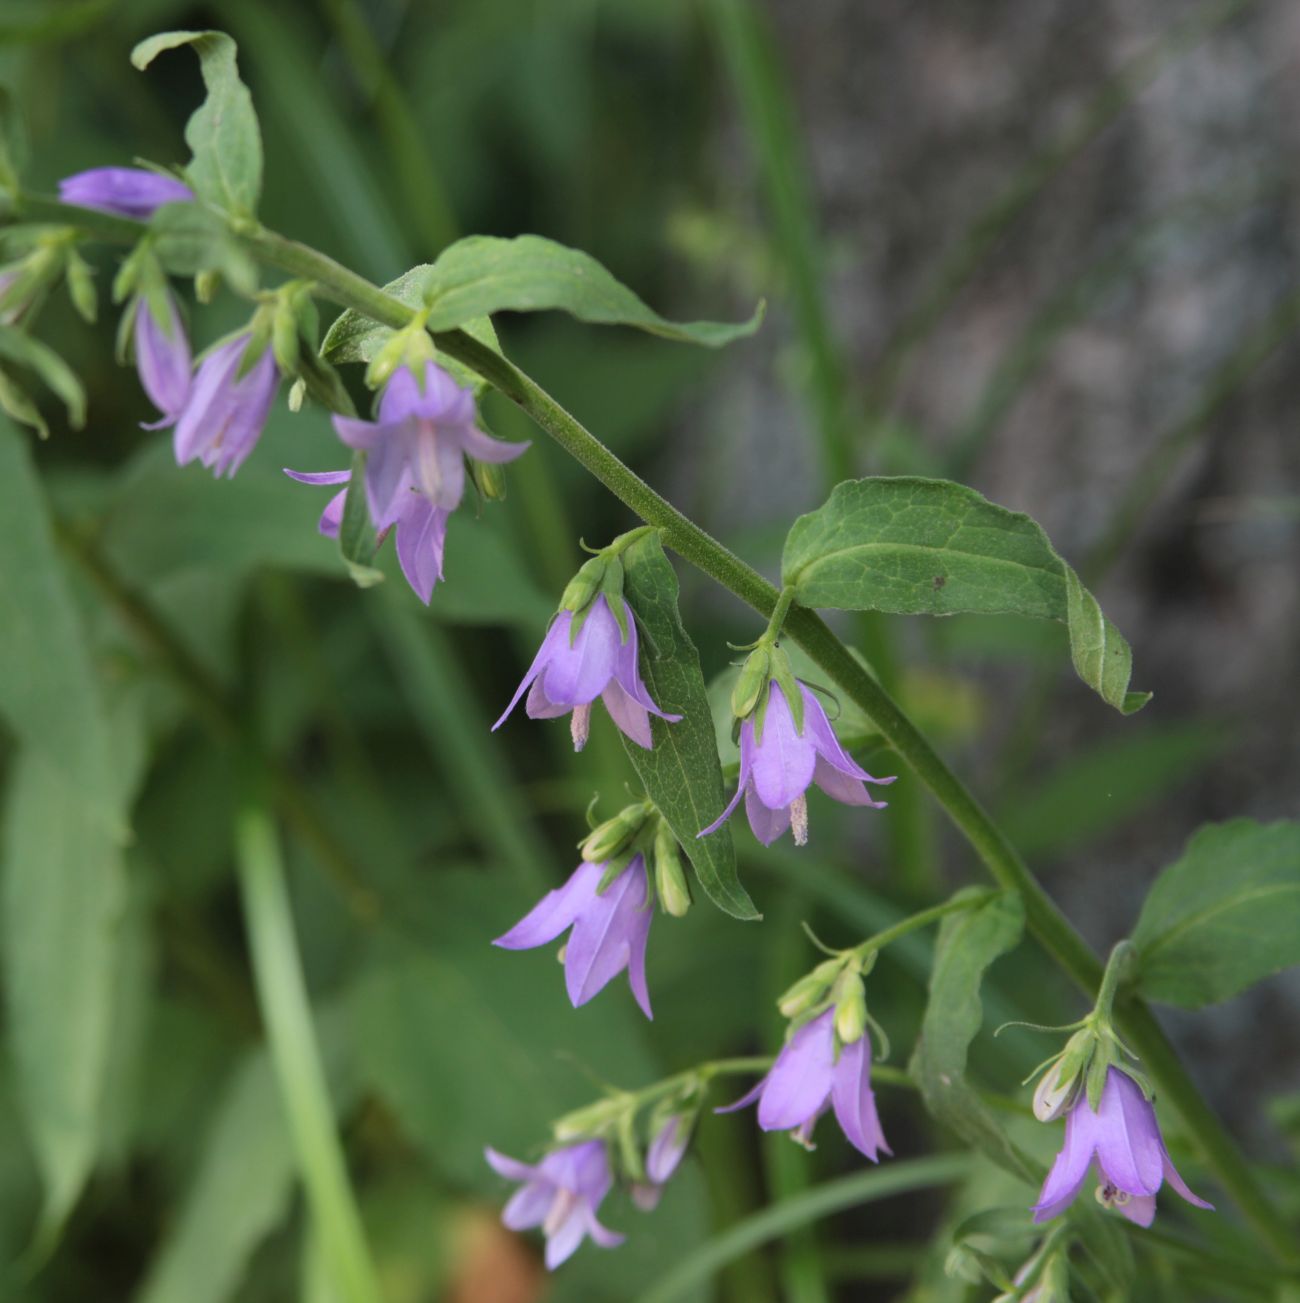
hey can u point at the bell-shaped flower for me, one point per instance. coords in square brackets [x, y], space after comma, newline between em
[663, 1156]
[127, 191]
[162, 357]
[1122, 1140]
[224, 414]
[561, 1194]
[809, 1077]
[779, 760]
[419, 443]
[610, 929]
[421, 530]
[571, 670]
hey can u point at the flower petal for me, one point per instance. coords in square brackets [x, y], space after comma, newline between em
[628, 672]
[208, 398]
[855, 1104]
[331, 519]
[605, 934]
[127, 191]
[511, 1168]
[800, 1080]
[362, 435]
[767, 825]
[748, 1098]
[629, 715]
[819, 729]
[554, 912]
[578, 673]
[563, 1241]
[482, 447]
[162, 357]
[528, 1206]
[783, 760]
[421, 537]
[1140, 1209]
[540, 706]
[667, 1148]
[1179, 1185]
[318, 477]
[1129, 1150]
[557, 633]
[1072, 1164]
[746, 752]
[843, 787]
[602, 1235]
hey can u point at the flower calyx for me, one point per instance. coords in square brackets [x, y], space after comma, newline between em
[836, 983]
[408, 347]
[601, 576]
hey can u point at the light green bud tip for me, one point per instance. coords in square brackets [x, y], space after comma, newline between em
[609, 838]
[489, 479]
[754, 675]
[851, 1011]
[670, 881]
[810, 990]
[584, 585]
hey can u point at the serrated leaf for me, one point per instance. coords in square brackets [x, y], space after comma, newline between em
[190, 239]
[1223, 916]
[483, 274]
[682, 774]
[18, 346]
[914, 546]
[222, 133]
[968, 944]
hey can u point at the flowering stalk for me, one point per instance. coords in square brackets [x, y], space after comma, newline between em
[1045, 920]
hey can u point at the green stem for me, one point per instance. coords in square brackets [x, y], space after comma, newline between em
[821, 1201]
[922, 919]
[1119, 968]
[286, 1010]
[782, 608]
[1046, 922]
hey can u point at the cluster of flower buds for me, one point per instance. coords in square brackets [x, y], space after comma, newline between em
[590, 651]
[607, 903]
[595, 1147]
[786, 743]
[826, 1060]
[1110, 1120]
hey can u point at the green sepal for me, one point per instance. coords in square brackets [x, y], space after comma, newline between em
[259, 340]
[489, 479]
[850, 1009]
[810, 990]
[357, 541]
[285, 340]
[614, 868]
[124, 338]
[81, 287]
[629, 1151]
[754, 677]
[611, 585]
[54, 372]
[789, 685]
[591, 1121]
[15, 402]
[1095, 1080]
[614, 835]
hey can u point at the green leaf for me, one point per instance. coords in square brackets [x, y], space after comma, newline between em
[63, 893]
[32, 21]
[222, 133]
[18, 346]
[968, 943]
[682, 774]
[483, 274]
[913, 546]
[190, 239]
[13, 141]
[1223, 916]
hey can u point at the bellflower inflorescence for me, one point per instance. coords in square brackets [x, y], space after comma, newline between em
[162, 356]
[415, 466]
[610, 929]
[1122, 1138]
[780, 756]
[571, 669]
[126, 191]
[561, 1194]
[224, 414]
[809, 1077]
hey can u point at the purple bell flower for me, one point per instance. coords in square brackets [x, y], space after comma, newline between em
[610, 930]
[419, 444]
[162, 359]
[421, 530]
[807, 1079]
[126, 191]
[224, 414]
[1123, 1138]
[561, 1195]
[662, 1158]
[568, 674]
[776, 768]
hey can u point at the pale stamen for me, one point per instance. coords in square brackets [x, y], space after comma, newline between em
[580, 725]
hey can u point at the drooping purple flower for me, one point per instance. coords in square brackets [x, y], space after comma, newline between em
[419, 444]
[662, 1158]
[777, 765]
[807, 1079]
[225, 412]
[162, 359]
[561, 1194]
[421, 530]
[1123, 1139]
[610, 930]
[126, 191]
[570, 671]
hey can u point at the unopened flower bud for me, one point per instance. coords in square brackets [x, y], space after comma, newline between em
[81, 286]
[670, 881]
[206, 285]
[489, 479]
[589, 1121]
[851, 1010]
[753, 680]
[607, 839]
[810, 990]
[1057, 1091]
[584, 585]
[284, 336]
